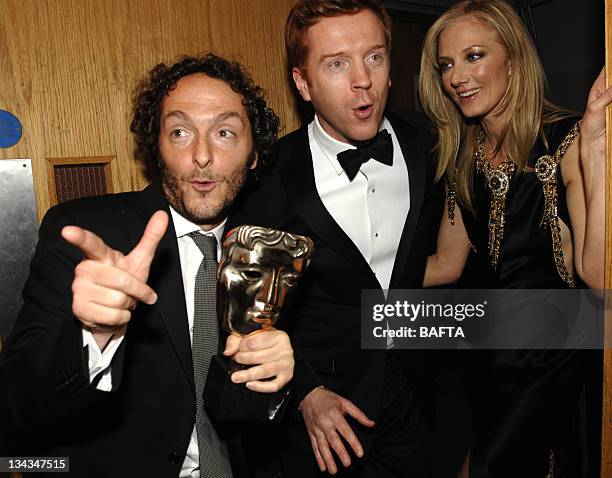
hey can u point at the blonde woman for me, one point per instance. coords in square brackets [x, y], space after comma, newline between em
[525, 203]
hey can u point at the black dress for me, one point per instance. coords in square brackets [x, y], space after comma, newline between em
[523, 401]
[526, 259]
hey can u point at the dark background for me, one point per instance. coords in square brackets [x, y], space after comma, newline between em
[568, 34]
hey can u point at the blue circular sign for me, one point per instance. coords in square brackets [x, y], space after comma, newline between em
[10, 129]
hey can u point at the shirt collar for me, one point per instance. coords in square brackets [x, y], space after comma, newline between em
[331, 146]
[184, 226]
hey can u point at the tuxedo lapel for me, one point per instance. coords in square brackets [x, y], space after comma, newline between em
[297, 176]
[417, 177]
[165, 276]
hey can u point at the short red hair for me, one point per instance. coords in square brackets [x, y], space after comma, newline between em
[308, 12]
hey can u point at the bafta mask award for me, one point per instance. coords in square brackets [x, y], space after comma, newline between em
[257, 274]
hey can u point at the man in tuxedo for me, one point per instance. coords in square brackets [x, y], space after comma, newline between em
[359, 181]
[99, 367]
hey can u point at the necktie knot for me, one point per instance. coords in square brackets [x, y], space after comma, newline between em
[379, 148]
[207, 244]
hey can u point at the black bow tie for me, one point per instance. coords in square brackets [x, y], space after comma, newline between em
[379, 148]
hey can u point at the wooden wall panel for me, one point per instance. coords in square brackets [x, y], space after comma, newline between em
[68, 68]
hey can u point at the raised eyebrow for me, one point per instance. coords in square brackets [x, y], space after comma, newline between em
[377, 47]
[227, 115]
[177, 114]
[344, 53]
[331, 55]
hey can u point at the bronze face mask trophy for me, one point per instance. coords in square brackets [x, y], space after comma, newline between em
[258, 272]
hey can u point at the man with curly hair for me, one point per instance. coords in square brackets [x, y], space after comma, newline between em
[99, 365]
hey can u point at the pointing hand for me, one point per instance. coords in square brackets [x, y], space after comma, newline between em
[107, 284]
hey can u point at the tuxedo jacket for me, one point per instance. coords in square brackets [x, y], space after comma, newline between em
[324, 319]
[48, 407]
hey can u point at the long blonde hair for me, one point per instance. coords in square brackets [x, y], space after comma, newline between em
[524, 98]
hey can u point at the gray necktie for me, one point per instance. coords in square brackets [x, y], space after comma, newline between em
[214, 461]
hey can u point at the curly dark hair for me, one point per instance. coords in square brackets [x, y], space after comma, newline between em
[162, 79]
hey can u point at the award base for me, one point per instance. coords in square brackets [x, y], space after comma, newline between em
[225, 400]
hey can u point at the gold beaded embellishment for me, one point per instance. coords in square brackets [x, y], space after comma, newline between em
[545, 169]
[551, 464]
[452, 202]
[498, 180]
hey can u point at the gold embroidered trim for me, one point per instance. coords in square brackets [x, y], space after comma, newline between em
[452, 201]
[472, 246]
[545, 169]
[551, 464]
[498, 180]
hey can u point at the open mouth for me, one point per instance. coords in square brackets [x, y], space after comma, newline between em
[266, 318]
[469, 94]
[364, 111]
[203, 186]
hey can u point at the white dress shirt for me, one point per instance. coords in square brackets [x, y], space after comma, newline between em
[371, 209]
[190, 257]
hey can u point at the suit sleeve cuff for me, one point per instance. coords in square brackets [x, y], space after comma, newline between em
[305, 380]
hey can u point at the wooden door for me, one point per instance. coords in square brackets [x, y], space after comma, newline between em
[606, 456]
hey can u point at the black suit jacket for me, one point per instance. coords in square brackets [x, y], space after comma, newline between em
[324, 321]
[142, 427]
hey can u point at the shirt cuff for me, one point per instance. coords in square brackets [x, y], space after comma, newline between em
[99, 361]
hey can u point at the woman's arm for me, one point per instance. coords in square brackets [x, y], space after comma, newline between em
[452, 250]
[584, 173]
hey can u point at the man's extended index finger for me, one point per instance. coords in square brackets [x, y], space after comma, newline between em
[90, 244]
